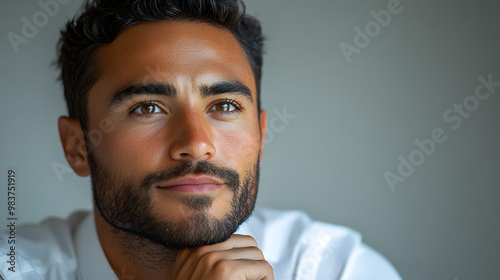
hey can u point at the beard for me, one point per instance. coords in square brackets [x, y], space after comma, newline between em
[129, 208]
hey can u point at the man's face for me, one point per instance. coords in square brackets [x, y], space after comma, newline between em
[178, 160]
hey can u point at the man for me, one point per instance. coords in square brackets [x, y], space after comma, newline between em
[164, 115]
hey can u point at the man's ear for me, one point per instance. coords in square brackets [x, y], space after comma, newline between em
[73, 142]
[263, 130]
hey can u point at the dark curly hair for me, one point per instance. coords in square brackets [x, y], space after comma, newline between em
[103, 20]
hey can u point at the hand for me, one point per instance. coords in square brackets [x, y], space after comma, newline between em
[238, 258]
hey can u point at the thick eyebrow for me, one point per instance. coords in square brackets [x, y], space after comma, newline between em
[131, 91]
[169, 90]
[235, 87]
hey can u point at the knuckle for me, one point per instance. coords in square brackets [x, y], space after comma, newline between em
[223, 268]
[198, 255]
[257, 251]
[250, 239]
[210, 258]
[266, 266]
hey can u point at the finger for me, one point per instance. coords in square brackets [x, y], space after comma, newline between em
[235, 241]
[209, 260]
[246, 253]
[238, 240]
[250, 269]
[182, 256]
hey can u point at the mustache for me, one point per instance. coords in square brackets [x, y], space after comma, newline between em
[227, 175]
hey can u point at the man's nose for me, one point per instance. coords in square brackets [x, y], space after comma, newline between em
[192, 138]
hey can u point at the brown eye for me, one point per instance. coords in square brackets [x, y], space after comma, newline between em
[147, 109]
[225, 107]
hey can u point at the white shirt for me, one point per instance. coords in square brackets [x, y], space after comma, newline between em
[296, 247]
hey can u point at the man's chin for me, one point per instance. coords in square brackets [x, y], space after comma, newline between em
[197, 203]
[193, 230]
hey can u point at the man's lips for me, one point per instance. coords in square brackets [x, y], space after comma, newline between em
[198, 184]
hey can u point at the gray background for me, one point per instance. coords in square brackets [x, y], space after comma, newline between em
[352, 122]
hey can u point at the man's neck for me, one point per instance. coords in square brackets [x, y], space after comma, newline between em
[131, 256]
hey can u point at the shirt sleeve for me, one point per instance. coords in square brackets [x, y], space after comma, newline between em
[41, 251]
[366, 263]
[15, 267]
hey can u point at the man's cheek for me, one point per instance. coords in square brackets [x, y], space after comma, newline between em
[238, 146]
[129, 151]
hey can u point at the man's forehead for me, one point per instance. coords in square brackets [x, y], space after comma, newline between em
[173, 51]
[180, 42]
[177, 36]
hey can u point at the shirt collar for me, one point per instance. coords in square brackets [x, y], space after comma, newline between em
[92, 261]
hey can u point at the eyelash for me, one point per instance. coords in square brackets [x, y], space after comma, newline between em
[143, 103]
[237, 106]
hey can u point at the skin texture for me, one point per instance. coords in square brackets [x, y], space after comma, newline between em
[130, 142]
